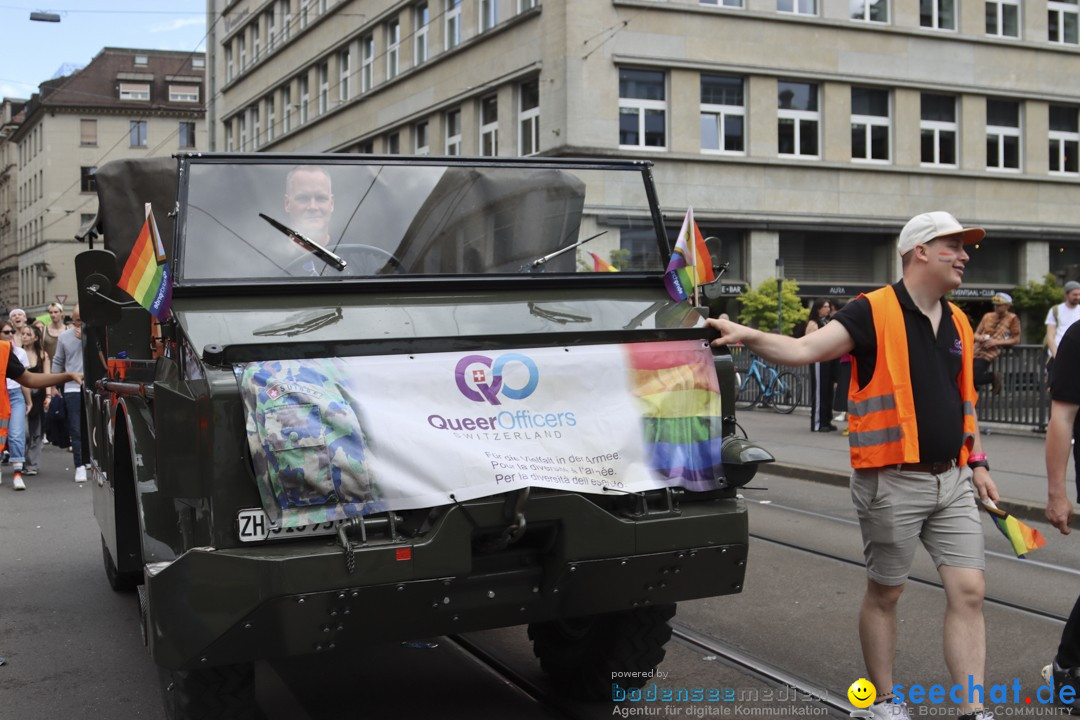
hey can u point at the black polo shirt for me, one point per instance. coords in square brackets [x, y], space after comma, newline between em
[934, 364]
[1065, 382]
[15, 368]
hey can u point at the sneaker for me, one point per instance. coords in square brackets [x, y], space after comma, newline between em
[17, 482]
[80, 474]
[977, 715]
[889, 710]
[1058, 677]
[29, 471]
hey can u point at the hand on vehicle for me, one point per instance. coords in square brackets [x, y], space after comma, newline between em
[730, 333]
[75, 377]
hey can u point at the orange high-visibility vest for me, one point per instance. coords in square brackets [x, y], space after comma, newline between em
[882, 429]
[5, 402]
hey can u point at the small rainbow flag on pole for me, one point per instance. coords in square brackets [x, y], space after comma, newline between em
[602, 265]
[1022, 537]
[690, 264]
[146, 276]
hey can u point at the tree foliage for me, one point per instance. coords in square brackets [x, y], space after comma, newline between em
[1033, 301]
[759, 307]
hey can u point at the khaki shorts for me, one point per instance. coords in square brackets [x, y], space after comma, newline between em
[897, 510]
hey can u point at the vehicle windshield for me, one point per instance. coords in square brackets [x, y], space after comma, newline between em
[344, 217]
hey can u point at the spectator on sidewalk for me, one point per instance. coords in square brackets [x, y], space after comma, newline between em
[997, 329]
[37, 362]
[1064, 671]
[821, 373]
[69, 358]
[914, 445]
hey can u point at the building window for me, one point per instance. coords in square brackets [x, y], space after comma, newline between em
[343, 75]
[324, 88]
[529, 118]
[271, 119]
[271, 31]
[134, 91]
[870, 10]
[1002, 134]
[1003, 18]
[642, 108]
[393, 144]
[937, 14]
[286, 109]
[187, 134]
[87, 179]
[723, 114]
[367, 60]
[487, 14]
[523, 5]
[242, 131]
[241, 51]
[798, 118]
[255, 42]
[229, 69]
[939, 129]
[421, 144]
[393, 48]
[723, 3]
[304, 16]
[798, 7]
[137, 133]
[452, 20]
[420, 43]
[489, 126]
[229, 138]
[305, 98]
[184, 93]
[1064, 139]
[88, 132]
[1062, 17]
[256, 127]
[453, 132]
[286, 18]
[198, 62]
[870, 124]
[142, 60]
[366, 148]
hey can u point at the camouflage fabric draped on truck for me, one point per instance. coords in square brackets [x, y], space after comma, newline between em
[398, 385]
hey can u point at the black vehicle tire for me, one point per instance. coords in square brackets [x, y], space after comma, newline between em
[119, 581]
[581, 655]
[226, 692]
[784, 401]
[748, 394]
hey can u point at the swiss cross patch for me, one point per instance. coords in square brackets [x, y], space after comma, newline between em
[479, 376]
[274, 393]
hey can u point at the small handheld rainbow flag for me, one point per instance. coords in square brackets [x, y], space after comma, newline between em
[1022, 537]
[146, 276]
[690, 264]
[601, 265]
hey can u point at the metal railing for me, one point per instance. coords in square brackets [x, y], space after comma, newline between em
[1022, 400]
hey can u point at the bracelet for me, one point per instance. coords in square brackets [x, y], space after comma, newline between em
[979, 464]
[976, 457]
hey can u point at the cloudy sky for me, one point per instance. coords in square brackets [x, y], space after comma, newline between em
[32, 52]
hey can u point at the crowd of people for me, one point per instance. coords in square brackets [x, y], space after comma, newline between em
[31, 350]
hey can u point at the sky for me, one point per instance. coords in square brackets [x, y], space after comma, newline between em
[33, 52]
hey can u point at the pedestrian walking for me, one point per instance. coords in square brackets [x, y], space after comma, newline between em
[821, 373]
[996, 330]
[1064, 671]
[37, 362]
[1059, 319]
[914, 445]
[18, 402]
[69, 358]
[54, 328]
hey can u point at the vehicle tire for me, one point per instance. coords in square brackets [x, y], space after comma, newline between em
[749, 394]
[784, 401]
[226, 692]
[119, 581]
[583, 655]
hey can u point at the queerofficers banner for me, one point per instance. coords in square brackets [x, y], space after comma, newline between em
[338, 437]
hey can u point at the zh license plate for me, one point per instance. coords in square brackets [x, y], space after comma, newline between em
[253, 525]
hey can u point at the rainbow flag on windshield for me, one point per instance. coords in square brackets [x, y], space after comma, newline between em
[146, 276]
[1022, 537]
[602, 265]
[690, 263]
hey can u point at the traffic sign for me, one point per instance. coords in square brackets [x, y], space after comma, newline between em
[61, 299]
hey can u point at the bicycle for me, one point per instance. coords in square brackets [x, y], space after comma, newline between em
[781, 392]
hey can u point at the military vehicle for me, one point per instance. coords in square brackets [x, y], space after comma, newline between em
[397, 398]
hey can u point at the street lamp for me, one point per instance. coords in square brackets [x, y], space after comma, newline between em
[38, 16]
[780, 296]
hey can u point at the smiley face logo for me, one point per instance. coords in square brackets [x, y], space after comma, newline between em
[862, 693]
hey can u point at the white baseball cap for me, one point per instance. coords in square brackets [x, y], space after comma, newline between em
[929, 226]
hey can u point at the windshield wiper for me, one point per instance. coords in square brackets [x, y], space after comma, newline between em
[308, 244]
[551, 256]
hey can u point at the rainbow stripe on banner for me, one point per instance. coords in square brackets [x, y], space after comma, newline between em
[1022, 537]
[679, 397]
[146, 276]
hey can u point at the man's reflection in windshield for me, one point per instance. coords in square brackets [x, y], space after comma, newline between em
[309, 202]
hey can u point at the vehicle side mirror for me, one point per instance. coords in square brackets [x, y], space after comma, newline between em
[97, 274]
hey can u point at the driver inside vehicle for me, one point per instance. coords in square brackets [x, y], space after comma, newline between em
[309, 202]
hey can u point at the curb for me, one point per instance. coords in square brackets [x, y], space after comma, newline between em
[1020, 509]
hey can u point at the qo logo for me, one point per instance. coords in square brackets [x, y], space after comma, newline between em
[479, 378]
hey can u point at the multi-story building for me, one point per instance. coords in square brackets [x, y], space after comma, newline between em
[10, 117]
[807, 130]
[125, 103]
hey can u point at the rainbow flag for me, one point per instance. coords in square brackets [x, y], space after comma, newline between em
[679, 397]
[1022, 537]
[601, 265]
[690, 263]
[146, 276]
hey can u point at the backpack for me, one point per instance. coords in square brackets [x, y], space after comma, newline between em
[56, 423]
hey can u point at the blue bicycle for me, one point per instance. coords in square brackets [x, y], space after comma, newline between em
[764, 384]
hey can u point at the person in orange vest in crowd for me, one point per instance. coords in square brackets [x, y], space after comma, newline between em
[918, 465]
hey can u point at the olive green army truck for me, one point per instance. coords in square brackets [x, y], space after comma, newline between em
[334, 400]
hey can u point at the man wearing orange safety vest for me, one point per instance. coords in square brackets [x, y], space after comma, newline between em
[15, 370]
[914, 442]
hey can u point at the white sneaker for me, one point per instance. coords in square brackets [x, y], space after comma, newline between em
[889, 710]
[18, 482]
[80, 474]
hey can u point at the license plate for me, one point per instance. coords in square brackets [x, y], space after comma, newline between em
[253, 525]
